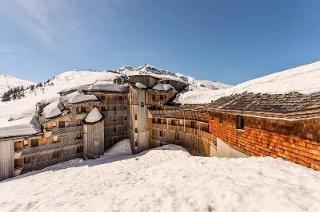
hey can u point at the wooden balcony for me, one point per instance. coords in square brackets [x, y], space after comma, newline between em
[45, 149]
[45, 163]
[63, 130]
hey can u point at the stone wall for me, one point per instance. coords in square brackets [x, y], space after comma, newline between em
[294, 140]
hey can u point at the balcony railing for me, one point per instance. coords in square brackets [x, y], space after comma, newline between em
[63, 130]
[48, 148]
[45, 163]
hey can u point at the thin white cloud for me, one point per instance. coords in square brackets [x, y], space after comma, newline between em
[44, 19]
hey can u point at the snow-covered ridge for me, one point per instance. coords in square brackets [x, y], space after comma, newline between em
[303, 79]
[7, 82]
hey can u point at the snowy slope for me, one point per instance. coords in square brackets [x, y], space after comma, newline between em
[164, 179]
[303, 79]
[7, 82]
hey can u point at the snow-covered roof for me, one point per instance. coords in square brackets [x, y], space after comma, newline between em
[78, 97]
[53, 109]
[93, 116]
[140, 85]
[102, 86]
[162, 87]
[29, 125]
[56, 107]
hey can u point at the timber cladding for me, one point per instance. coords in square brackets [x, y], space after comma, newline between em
[294, 140]
[190, 134]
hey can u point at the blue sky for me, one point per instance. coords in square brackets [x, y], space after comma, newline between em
[227, 40]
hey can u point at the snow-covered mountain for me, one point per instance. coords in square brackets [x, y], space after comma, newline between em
[48, 91]
[162, 73]
[303, 79]
[7, 82]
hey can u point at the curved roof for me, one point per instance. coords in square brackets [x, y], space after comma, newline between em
[162, 87]
[93, 116]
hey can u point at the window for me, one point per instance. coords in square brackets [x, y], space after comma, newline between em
[103, 108]
[181, 122]
[56, 154]
[80, 149]
[159, 121]
[17, 145]
[17, 163]
[161, 97]
[136, 143]
[34, 142]
[177, 136]
[25, 143]
[135, 117]
[62, 124]
[114, 129]
[125, 118]
[83, 109]
[220, 118]
[153, 97]
[79, 136]
[55, 139]
[142, 104]
[78, 110]
[173, 123]
[27, 160]
[114, 108]
[120, 97]
[193, 124]
[125, 107]
[103, 98]
[136, 130]
[239, 122]
[161, 133]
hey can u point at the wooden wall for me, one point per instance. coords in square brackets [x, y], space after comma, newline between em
[293, 140]
[93, 146]
[193, 135]
[6, 159]
[138, 118]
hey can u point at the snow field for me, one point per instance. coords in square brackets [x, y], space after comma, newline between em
[164, 179]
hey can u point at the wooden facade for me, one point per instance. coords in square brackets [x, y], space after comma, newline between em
[115, 111]
[93, 146]
[6, 159]
[293, 139]
[138, 118]
[187, 128]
